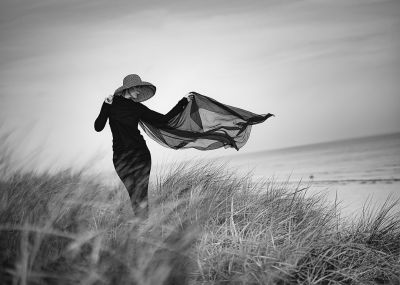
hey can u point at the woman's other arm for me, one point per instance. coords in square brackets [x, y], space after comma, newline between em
[101, 120]
[158, 119]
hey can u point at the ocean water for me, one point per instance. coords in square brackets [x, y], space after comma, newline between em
[353, 170]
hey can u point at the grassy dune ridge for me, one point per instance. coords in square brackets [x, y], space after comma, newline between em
[208, 225]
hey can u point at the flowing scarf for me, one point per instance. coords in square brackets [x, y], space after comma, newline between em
[205, 124]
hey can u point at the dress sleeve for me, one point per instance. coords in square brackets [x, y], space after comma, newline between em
[157, 119]
[101, 120]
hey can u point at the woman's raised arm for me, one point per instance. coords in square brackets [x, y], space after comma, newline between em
[101, 120]
[158, 119]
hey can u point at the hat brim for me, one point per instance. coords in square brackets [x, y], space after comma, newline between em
[147, 90]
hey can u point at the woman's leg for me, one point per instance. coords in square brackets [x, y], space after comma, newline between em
[139, 194]
[133, 168]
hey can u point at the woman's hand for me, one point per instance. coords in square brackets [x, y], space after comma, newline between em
[190, 96]
[109, 99]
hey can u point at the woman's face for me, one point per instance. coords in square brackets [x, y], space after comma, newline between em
[132, 93]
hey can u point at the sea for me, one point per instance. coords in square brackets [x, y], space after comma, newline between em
[354, 172]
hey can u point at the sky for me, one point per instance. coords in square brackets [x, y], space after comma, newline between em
[328, 70]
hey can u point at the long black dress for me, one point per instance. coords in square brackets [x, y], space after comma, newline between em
[131, 157]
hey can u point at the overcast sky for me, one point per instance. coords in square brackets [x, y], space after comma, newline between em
[328, 69]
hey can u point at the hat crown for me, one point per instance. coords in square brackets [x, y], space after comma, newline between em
[132, 80]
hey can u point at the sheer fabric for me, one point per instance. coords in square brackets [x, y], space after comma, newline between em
[205, 124]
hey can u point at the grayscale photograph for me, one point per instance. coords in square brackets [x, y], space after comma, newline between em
[200, 142]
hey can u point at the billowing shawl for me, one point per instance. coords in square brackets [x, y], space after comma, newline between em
[205, 124]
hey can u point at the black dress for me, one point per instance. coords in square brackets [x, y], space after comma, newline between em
[131, 157]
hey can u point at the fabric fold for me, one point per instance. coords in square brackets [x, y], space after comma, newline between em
[205, 124]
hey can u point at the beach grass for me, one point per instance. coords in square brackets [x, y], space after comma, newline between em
[208, 225]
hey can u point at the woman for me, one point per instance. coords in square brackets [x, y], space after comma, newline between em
[131, 157]
[201, 122]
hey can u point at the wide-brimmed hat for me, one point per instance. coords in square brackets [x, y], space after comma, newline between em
[147, 90]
